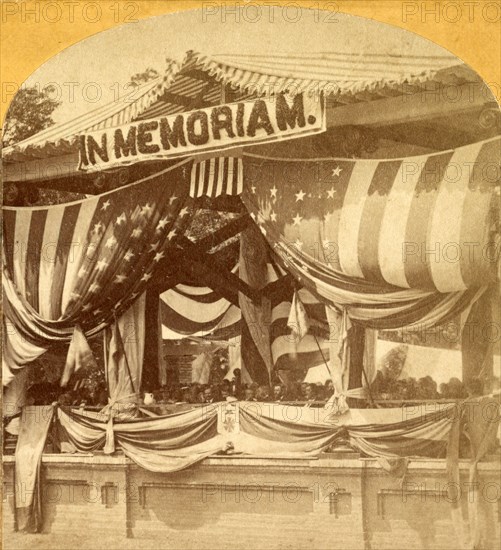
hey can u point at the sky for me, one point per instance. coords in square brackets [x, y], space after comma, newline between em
[96, 70]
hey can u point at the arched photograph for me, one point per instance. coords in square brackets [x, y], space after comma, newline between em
[251, 289]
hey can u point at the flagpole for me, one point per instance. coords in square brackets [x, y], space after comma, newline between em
[322, 354]
[371, 400]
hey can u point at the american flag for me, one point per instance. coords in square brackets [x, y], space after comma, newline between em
[217, 176]
[87, 261]
[407, 223]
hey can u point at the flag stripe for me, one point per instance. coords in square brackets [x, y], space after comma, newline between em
[445, 223]
[240, 177]
[392, 232]
[62, 256]
[9, 224]
[417, 256]
[184, 325]
[217, 176]
[201, 180]
[194, 179]
[351, 215]
[212, 175]
[220, 175]
[478, 259]
[82, 227]
[372, 217]
[38, 219]
[21, 236]
[229, 177]
[49, 246]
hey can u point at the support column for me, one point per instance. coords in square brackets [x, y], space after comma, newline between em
[256, 314]
[152, 342]
[356, 339]
[478, 339]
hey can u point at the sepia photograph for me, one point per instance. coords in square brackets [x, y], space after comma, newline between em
[251, 283]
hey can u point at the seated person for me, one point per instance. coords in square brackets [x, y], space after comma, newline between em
[278, 393]
[249, 393]
[263, 394]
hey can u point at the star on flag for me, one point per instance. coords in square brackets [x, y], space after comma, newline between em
[128, 255]
[111, 242]
[162, 223]
[300, 195]
[121, 219]
[146, 209]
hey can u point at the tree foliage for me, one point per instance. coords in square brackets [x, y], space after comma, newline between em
[145, 76]
[29, 113]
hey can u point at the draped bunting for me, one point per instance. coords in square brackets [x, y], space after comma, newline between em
[189, 310]
[256, 313]
[419, 222]
[34, 428]
[161, 444]
[174, 442]
[329, 221]
[168, 443]
[84, 263]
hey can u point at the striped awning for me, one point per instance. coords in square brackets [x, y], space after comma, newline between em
[334, 73]
[60, 138]
[197, 81]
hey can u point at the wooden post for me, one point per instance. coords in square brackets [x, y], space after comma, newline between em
[152, 342]
[256, 314]
[478, 338]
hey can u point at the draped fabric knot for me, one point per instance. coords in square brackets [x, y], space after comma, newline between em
[109, 446]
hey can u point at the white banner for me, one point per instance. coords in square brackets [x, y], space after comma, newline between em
[203, 131]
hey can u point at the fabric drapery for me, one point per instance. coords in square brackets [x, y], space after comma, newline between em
[288, 351]
[282, 430]
[124, 350]
[189, 310]
[161, 444]
[34, 427]
[479, 420]
[174, 442]
[328, 221]
[84, 263]
[405, 223]
[216, 176]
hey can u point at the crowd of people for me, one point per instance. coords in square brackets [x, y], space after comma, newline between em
[225, 390]
[383, 388]
[390, 388]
